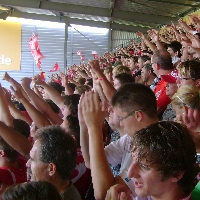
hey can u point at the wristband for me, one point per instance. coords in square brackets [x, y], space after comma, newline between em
[102, 78]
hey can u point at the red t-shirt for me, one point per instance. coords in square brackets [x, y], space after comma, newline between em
[160, 92]
[81, 176]
[12, 175]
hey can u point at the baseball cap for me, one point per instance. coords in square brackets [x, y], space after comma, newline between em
[170, 78]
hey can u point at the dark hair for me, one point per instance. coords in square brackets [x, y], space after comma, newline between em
[56, 86]
[148, 67]
[169, 147]
[90, 82]
[176, 47]
[144, 58]
[190, 68]
[40, 190]
[74, 128]
[72, 86]
[163, 59]
[53, 106]
[72, 101]
[11, 154]
[133, 96]
[58, 147]
[125, 78]
[135, 58]
[21, 107]
[22, 127]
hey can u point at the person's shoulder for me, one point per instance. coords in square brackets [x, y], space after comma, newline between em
[71, 193]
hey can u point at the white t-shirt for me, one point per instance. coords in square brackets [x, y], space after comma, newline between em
[117, 152]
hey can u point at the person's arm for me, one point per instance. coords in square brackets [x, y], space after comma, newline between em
[5, 115]
[39, 103]
[147, 41]
[84, 138]
[191, 119]
[53, 94]
[155, 38]
[16, 140]
[35, 89]
[39, 118]
[185, 26]
[108, 88]
[65, 83]
[14, 83]
[16, 113]
[102, 177]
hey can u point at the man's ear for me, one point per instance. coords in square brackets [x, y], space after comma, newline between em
[2, 153]
[138, 116]
[157, 66]
[177, 177]
[51, 169]
[176, 53]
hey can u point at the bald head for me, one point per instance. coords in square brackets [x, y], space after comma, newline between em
[163, 59]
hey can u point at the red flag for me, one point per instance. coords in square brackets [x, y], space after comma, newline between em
[42, 75]
[95, 54]
[55, 68]
[35, 50]
[79, 53]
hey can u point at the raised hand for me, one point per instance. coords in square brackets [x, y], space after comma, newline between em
[93, 111]
[17, 93]
[95, 65]
[25, 82]
[64, 79]
[118, 192]
[37, 79]
[6, 77]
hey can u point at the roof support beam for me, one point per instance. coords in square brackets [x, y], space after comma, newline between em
[88, 10]
[83, 22]
[133, 29]
[128, 15]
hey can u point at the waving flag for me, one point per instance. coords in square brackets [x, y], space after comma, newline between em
[95, 54]
[42, 75]
[35, 50]
[79, 53]
[55, 68]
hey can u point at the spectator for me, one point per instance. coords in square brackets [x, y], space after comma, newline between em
[45, 164]
[160, 169]
[32, 191]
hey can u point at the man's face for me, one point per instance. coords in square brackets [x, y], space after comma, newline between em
[113, 119]
[171, 52]
[65, 111]
[116, 84]
[183, 80]
[131, 64]
[147, 179]
[130, 124]
[38, 170]
[144, 75]
[153, 64]
[140, 63]
[171, 89]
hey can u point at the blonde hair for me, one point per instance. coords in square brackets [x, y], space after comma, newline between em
[187, 95]
[121, 69]
[83, 88]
